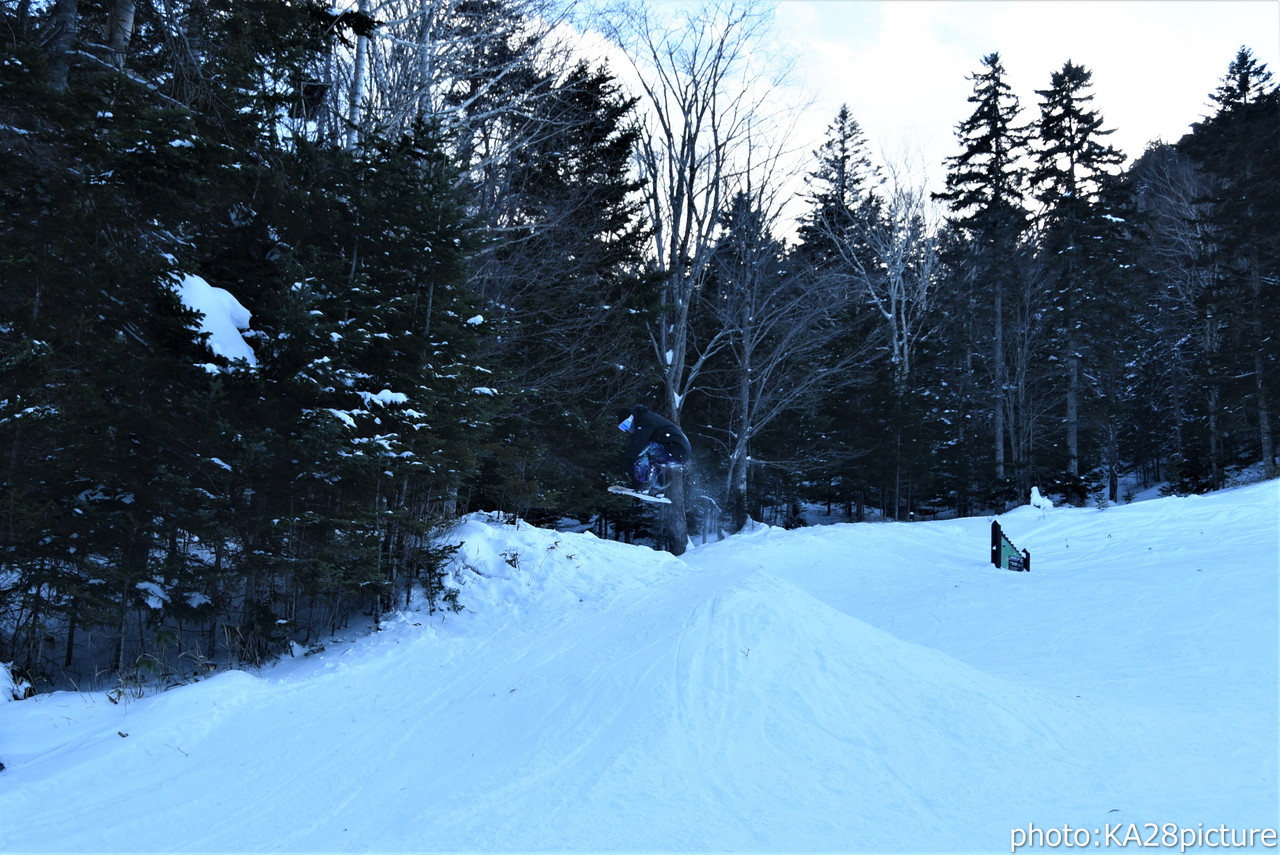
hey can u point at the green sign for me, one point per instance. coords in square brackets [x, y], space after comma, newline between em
[1005, 555]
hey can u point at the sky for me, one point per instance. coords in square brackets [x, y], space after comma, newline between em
[903, 66]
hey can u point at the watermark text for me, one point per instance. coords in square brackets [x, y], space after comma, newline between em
[1149, 835]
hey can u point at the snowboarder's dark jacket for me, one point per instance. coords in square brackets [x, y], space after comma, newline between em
[647, 427]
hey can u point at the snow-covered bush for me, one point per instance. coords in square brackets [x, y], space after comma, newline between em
[13, 687]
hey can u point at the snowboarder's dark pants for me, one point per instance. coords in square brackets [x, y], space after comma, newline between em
[655, 454]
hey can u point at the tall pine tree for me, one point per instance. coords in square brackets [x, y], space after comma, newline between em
[1076, 181]
[1237, 149]
[985, 190]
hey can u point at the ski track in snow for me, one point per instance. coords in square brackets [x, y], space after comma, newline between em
[839, 688]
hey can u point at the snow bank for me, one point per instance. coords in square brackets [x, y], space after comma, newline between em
[505, 568]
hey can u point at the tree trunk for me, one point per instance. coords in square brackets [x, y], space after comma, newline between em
[1000, 380]
[122, 627]
[1215, 447]
[1264, 416]
[357, 95]
[66, 18]
[72, 623]
[1260, 334]
[1073, 409]
[675, 525]
[121, 31]
[1113, 462]
[737, 488]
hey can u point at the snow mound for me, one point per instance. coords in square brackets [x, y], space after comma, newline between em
[502, 567]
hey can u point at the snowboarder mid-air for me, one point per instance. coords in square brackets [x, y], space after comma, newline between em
[654, 445]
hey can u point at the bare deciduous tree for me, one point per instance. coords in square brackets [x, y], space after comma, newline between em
[704, 106]
[892, 259]
[469, 66]
[704, 103]
[1173, 196]
[778, 325]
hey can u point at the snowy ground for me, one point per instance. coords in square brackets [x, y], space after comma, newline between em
[844, 688]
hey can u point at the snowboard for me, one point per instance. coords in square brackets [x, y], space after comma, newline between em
[623, 491]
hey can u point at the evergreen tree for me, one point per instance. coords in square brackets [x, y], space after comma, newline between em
[560, 273]
[844, 201]
[1237, 149]
[844, 187]
[156, 496]
[101, 388]
[985, 192]
[369, 409]
[1076, 182]
[1168, 193]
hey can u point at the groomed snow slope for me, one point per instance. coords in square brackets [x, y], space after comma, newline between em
[850, 687]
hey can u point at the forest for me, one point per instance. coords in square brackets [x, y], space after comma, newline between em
[465, 243]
